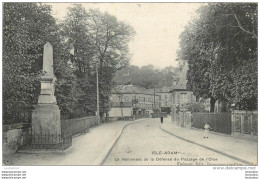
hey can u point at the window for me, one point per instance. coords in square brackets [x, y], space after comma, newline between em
[183, 98]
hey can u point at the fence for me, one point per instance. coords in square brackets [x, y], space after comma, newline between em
[78, 125]
[69, 128]
[219, 122]
[19, 136]
[245, 122]
[46, 141]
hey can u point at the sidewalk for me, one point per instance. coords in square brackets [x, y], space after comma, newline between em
[236, 147]
[87, 149]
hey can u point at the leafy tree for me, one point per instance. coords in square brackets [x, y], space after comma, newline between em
[98, 39]
[111, 38]
[75, 35]
[26, 28]
[220, 46]
[147, 76]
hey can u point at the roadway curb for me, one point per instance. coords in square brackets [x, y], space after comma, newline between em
[209, 148]
[103, 156]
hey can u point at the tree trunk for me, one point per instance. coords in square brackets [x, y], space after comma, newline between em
[212, 104]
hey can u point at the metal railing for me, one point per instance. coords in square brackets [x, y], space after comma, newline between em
[45, 141]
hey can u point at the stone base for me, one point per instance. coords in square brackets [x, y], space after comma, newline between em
[45, 151]
[46, 121]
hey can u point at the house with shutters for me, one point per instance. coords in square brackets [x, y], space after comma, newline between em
[165, 99]
[130, 100]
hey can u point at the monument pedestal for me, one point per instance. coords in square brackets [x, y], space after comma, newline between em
[46, 124]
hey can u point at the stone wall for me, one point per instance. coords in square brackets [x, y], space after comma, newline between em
[244, 122]
[16, 136]
[12, 137]
[182, 118]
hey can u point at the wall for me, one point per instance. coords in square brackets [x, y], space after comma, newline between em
[182, 118]
[16, 136]
[13, 137]
[244, 122]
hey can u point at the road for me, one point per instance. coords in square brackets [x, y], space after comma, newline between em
[144, 143]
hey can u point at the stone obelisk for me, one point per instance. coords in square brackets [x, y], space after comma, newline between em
[46, 116]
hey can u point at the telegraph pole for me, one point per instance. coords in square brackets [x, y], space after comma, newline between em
[154, 100]
[97, 93]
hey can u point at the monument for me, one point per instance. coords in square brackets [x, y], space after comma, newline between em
[46, 124]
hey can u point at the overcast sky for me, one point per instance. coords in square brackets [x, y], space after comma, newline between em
[157, 26]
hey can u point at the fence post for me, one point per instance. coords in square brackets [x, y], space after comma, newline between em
[232, 123]
[251, 124]
[242, 124]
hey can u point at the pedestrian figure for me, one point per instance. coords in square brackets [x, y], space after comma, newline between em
[161, 120]
[206, 133]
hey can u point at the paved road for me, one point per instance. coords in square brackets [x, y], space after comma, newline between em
[88, 149]
[144, 143]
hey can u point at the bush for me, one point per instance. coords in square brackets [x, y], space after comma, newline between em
[196, 107]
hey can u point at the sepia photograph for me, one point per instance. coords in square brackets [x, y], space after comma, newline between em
[130, 84]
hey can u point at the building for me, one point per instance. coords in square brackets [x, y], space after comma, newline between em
[119, 109]
[131, 100]
[165, 99]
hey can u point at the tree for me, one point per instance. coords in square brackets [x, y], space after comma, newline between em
[111, 38]
[220, 45]
[74, 31]
[26, 28]
[147, 76]
[98, 39]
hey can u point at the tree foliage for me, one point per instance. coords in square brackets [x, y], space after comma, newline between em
[221, 49]
[98, 39]
[147, 76]
[26, 28]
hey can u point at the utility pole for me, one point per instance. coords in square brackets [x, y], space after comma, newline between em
[121, 105]
[154, 100]
[97, 92]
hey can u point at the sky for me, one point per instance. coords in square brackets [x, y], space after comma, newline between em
[157, 26]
